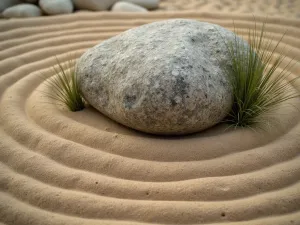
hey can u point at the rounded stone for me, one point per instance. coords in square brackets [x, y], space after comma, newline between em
[148, 4]
[54, 7]
[4, 4]
[22, 10]
[162, 78]
[94, 5]
[127, 7]
[31, 1]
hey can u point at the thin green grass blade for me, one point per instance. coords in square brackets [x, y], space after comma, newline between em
[257, 88]
[64, 88]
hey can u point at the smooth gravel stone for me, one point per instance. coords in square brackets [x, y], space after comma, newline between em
[94, 5]
[31, 1]
[53, 7]
[4, 4]
[148, 4]
[22, 10]
[127, 7]
[165, 77]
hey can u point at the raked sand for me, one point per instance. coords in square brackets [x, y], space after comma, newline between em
[283, 8]
[59, 167]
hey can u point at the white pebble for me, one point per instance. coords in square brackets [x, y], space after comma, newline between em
[127, 7]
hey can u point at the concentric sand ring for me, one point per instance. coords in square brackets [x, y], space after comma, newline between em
[59, 167]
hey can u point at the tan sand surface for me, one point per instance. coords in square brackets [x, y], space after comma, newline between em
[284, 8]
[58, 167]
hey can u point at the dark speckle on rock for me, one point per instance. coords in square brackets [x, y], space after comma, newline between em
[173, 102]
[129, 101]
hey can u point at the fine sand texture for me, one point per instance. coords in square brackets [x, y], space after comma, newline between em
[284, 8]
[59, 167]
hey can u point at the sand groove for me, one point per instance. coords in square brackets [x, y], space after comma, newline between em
[58, 167]
[286, 8]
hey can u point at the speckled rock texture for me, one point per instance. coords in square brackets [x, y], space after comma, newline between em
[162, 78]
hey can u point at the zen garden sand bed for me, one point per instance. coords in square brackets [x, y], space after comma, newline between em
[59, 167]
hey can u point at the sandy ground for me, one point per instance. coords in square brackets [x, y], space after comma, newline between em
[284, 8]
[58, 167]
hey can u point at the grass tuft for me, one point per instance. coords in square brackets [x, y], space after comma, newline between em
[258, 87]
[64, 87]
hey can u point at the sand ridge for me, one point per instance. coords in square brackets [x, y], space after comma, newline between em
[58, 167]
[284, 8]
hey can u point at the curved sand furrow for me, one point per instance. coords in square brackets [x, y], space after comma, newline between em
[10, 64]
[11, 43]
[284, 8]
[46, 65]
[49, 198]
[117, 166]
[15, 34]
[86, 169]
[7, 44]
[22, 213]
[88, 17]
[24, 32]
[220, 188]
[13, 211]
[54, 42]
[20, 32]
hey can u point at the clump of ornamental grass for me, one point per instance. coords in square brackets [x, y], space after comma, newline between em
[258, 88]
[64, 88]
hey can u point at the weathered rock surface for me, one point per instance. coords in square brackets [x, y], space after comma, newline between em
[22, 10]
[164, 78]
[4, 4]
[148, 4]
[53, 7]
[94, 5]
[127, 7]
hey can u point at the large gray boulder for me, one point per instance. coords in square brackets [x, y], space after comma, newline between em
[163, 78]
